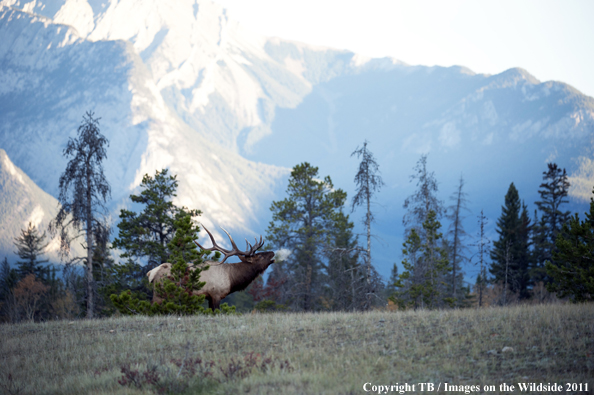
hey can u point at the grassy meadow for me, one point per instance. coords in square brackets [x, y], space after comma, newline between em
[281, 353]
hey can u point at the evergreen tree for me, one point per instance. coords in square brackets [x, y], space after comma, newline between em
[105, 274]
[423, 200]
[301, 223]
[8, 279]
[83, 193]
[425, 265]
[524, 254]
[553, 194]
[177, 289]
[390, 287]
[539, 248]
[423, 283]
[347, 279]
[30, 247]
[146, 235]
[368, 182]
[511, 252]
[457, 236]
[572, 267]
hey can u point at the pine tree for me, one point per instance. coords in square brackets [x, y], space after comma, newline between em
[83, 193]
[8, 279]
[423, 283]
[347, 282]
[511, 255]
[105, 274]
[524, 254]
[301, 223]
[424, 199]
[425, 265]
[539, 248]
[390, 287]
[572, 268]
[146, 235]
[457, 236]
[30, 247]
[553, 194]
[368, 182]
[177, 289]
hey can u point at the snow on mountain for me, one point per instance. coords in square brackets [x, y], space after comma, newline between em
[492, 130]
[180, 85]
[22, 202]
[52, 76]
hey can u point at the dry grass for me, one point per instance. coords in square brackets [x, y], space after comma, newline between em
[333, 353]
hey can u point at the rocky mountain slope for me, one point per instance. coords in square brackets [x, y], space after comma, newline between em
[180, 85]
[22, 202]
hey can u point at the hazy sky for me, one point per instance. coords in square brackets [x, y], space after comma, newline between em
[553, 40]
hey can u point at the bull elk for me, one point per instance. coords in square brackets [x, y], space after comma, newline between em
[223, 279]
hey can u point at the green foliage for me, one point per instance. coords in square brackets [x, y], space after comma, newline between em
[8, 277]
[511, 252]
[347, 279]
[269, 306]
[553, 194]
[241, 300]
[391, 287]
[425, 265]
[176, 290]
[572, 268]
[114, 278]
[302, 223]
[146, 235]
[30, 246]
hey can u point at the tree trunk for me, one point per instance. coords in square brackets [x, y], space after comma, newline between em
[368, 220]
[455, 254]
[90, 285]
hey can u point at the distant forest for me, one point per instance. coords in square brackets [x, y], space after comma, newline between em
[321, 265]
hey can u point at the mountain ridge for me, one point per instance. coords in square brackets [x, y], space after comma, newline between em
[182, 86]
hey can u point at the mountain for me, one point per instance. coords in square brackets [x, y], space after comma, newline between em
[178, 84]
[22, 202]
[51, 76]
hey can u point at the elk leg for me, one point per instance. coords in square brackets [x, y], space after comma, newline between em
[210, 304]
[215, 303]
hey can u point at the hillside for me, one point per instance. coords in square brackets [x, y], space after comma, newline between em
[332, 353]
[21, 202]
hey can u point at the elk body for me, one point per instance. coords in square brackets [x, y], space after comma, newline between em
[223, 279]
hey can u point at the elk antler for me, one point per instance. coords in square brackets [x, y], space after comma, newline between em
[251, 250]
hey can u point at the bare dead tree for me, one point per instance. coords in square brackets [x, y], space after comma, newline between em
[424, 199]
[456, 232]
[483, 249]
[84, 190]
[368, 182]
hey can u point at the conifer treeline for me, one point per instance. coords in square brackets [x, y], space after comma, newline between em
[320, 264]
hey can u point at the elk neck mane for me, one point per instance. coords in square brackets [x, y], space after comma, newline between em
[241, 274]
